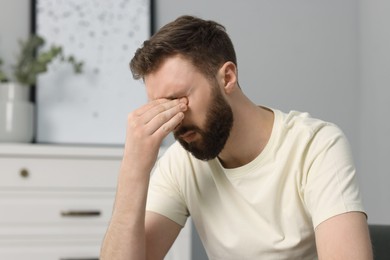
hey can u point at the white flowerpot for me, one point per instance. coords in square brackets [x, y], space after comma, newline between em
[16, 113]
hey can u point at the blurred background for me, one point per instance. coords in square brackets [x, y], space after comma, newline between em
[329, 58]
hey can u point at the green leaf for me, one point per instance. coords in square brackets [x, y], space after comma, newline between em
[33, 61]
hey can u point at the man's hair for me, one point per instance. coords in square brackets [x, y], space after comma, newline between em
[204, 43]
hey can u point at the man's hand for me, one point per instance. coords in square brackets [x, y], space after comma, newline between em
[126, 236]
[148, 126]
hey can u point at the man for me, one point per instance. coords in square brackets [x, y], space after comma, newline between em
[258, 183]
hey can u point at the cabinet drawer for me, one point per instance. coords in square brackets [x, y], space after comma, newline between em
[50, 250]
[55, 213]
[58, 173]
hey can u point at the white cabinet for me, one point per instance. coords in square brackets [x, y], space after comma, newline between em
[56, 202]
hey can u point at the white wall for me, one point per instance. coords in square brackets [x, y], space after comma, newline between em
[374, 108]
[14, 26]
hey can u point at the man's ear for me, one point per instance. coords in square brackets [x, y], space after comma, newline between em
[228, 76]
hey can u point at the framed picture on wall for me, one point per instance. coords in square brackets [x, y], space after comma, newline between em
[92, 107]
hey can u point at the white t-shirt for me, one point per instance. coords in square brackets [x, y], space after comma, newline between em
[268, 208]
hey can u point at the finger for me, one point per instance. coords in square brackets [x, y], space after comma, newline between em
[165, 105]
[163, 117]
[150, 105]
[169, 126]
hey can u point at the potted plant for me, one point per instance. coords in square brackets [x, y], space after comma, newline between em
[16, 110]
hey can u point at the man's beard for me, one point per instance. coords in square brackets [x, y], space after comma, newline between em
[219, 122]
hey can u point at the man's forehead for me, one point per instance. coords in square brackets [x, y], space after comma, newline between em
[169, 91]
[172, 90]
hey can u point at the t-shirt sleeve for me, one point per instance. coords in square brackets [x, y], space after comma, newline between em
[164, 195]
[331, 186]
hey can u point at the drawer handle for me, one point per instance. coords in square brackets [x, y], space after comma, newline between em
[81, 213]
[24, 173]
[79, 258]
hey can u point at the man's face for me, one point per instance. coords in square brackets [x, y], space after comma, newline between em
[208, 118]
[212, 138]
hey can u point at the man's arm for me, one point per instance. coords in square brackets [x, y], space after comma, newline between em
[129, 233]
[161, 232]
[344, 237]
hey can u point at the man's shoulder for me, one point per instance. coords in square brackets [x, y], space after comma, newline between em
[304, 122]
